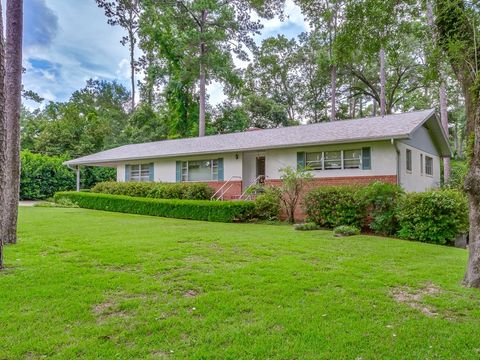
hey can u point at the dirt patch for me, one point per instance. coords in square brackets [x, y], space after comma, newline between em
[190, 293]
[414, 297]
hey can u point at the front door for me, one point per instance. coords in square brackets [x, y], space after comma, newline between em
[261, 169]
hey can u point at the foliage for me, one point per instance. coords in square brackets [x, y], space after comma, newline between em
[61, 203]
[346, 230]
[459, 170]
[332, 206]
[381, 201]
[294, 182]
[267, 204]
[42, 176]
[307, 226]
[186, 191]
[220, 211]
[435, 216]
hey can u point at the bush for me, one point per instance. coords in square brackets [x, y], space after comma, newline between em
[186, 191]
[306, 226]
[458, 173]
[267, 205]
[221, 211]
[345, 230]
[380, 201]
[332, 206]
[43, 175]
[434, 217]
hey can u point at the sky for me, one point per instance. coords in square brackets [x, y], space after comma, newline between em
[67, 42]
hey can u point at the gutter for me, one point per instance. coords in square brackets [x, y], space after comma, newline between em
[395, 144]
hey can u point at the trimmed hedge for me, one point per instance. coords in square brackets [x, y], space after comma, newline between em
[186, 191]
[219, 211]
[436, 217]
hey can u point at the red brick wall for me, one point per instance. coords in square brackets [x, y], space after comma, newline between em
[234, 189]
[333, 181]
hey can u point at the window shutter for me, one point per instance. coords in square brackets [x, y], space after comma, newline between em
[300, 160]
[127, 172]
[179, 171]
[366, 158]
[220, 170]
[151, 172]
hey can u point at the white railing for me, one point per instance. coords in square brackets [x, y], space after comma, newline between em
[222, 189]
[249, 187]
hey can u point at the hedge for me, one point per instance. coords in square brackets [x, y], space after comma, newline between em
[435, 216]
[186, 191]
[219, 211]
[42, 176]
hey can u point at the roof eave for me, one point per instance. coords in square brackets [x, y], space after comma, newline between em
[344, 141]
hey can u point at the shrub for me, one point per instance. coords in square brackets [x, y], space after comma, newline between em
[62, 203]
[380, 201]
[186, 191]
[221, 211]
[306, 226]
[331, 206]
[267, 205]
[43, 175]
[345, 230]
[458, 173]
[434, 217]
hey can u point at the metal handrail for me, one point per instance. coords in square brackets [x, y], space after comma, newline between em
[223, 186]
[254, 182]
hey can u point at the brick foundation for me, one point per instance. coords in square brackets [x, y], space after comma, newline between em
[232, 191]
[334, 181]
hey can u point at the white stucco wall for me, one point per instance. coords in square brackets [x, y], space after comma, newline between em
[165, 169]
[416, 180]
[383, 157]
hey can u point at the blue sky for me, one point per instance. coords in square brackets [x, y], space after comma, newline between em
[67, 42]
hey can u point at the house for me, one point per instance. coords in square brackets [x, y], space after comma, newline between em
[405, 148]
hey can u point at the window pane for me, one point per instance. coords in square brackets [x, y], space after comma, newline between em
[333, 160]
[140, 172]
[351, 159]
[428, 165]
[409, 160]
[199, 170]
[314, 160]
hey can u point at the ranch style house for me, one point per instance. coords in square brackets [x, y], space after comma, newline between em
[404, 149]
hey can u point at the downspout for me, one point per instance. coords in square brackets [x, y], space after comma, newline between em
[395, 143]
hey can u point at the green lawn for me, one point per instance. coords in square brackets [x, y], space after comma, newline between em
[92, 284]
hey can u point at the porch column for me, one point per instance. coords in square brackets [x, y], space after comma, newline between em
[78, 178]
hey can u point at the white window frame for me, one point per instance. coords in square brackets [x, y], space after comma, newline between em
[342, 159]
[213, 170]
[140, 169]
[427, 160]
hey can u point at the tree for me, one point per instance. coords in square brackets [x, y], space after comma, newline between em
[200, 38]
[125, 13]
[457, 32]
[3, 138]
[13, 100]
[293, 185]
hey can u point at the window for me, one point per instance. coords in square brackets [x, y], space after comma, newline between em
[200, 170]
[139, 172]
[332, 160]
[335, 160]
[409, 160]
[428, 165]
[351, 159]
[421, 164]
[315, 161]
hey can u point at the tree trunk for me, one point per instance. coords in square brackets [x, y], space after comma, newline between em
[333, 113]
[444, 119]
[132, 66]
[3, 138]
[472, 186]
[13, 82]
[383, 81]
[203, 82]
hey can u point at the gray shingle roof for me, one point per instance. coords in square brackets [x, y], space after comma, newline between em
[399, 126]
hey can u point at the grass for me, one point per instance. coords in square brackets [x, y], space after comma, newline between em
[90, 284]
